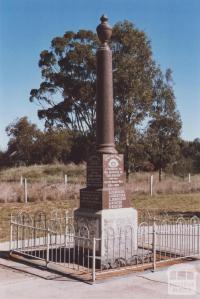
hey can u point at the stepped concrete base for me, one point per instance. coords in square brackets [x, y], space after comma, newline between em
[117, 229]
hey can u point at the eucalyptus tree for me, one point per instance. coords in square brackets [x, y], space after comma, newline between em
[164, 126]
[67, 93]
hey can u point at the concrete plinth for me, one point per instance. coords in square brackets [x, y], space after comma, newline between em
[116, 229]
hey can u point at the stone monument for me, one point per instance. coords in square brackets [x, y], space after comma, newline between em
[104, 205]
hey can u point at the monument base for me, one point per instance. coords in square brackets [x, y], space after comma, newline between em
[116, 230]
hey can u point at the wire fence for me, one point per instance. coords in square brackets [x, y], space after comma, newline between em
[28, 189]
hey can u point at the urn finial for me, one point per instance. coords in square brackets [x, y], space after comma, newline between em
[104, 30]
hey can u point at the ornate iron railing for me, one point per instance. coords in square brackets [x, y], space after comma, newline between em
[56, 241]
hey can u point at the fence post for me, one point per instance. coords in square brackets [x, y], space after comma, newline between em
[25, 191]
[93, 259]
[48, 245]
[11, 232]
[151, 185]
[189, 178]
[65, 180]
[198, 237]
[66, 227]
[21, 180]
[154, 244]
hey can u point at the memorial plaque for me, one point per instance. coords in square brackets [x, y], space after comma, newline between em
[113, 171]
[91, 199]
[105, 183]
[95, 172]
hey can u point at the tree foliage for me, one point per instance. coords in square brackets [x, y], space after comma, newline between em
[164, 128]
[22, 140]
[134, 70]
[29, 145]
[67, 93]
[189, 161]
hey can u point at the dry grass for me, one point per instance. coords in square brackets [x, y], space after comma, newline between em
[140, 183]
[44, 182]
[45, 173]
[14, 192]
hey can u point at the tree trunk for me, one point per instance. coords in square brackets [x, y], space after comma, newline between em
[127, 167]
[160, 174]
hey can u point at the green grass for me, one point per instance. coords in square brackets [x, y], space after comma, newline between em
[180, 203]
[7, 209]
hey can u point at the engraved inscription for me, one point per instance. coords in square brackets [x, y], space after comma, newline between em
[95, 172]
[90, 198]
[113, 180]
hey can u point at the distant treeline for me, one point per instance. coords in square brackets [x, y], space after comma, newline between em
[28, 145]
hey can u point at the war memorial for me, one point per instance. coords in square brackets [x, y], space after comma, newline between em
[104, 206]
[104, 233]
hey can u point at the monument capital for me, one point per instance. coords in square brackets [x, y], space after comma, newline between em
[104, 30]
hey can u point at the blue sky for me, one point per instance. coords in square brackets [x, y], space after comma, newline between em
[28, 26]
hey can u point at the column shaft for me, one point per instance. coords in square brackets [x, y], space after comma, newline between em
[105, 118]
